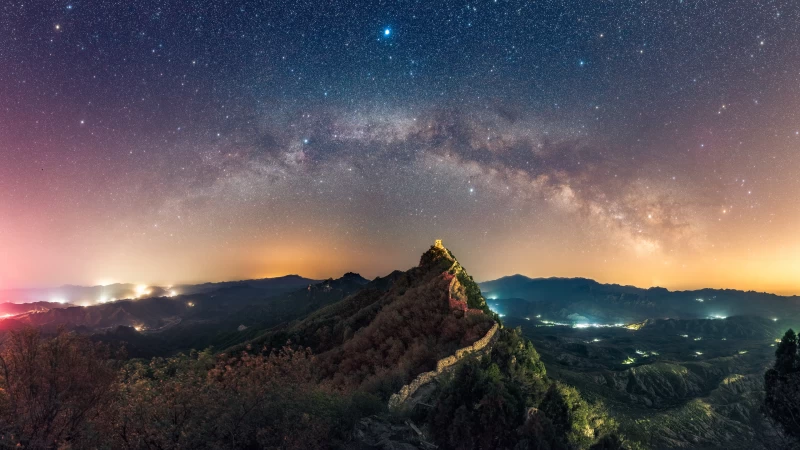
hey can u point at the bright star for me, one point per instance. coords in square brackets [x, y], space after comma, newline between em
[387, 32]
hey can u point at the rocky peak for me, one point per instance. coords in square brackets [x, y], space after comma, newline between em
[437, 256]
[464, 293]
[356, 277]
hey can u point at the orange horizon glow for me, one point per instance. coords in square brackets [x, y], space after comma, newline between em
[529, 142]
[306, 259]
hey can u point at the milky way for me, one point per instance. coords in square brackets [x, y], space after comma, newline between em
[648, 143]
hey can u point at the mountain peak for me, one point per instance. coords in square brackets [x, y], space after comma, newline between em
[462, 290]
[436, 255]
[352, 276]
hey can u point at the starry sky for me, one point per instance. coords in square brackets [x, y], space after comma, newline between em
[637, 142]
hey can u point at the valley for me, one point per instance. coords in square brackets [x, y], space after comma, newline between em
[671, 369]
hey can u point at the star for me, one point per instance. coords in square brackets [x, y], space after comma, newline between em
[411, 117]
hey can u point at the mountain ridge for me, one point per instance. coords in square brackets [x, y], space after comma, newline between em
[525, 278]
[392, 330]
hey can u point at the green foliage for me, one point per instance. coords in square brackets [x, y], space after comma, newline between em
[517, 357]
[502, 400]
[786, 359]
[65, 392]
[782, 386]
[475, 299]
[569, 413]
[478, 409]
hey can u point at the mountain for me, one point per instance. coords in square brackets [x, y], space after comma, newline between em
[91, 295]
[270, 286]
[415, 359]
[584, 300]
[394, 328]
[675, 369]
[227, 316]
[426, 341]
[14, 309]
[204, 315]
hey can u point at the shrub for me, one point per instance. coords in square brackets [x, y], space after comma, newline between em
[52, 390]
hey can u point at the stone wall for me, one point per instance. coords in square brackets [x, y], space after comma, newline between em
[457, 294]
[422, 379]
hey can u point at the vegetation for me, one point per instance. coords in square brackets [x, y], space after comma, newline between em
[53, 391]
[504, 400]
[475, 299]
[319, 382]
[378, 340]
[782, 386]
[671, 397]
[269, 400]
[64, 391]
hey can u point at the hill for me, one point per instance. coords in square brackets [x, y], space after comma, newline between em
[584, 300]
[394, 328]
[225, 317]
[314, 367]
[675, 369]
[70, 295]
[211, 314]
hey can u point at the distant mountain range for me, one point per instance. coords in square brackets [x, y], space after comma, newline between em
[188, 310]
[91, 295]
[164, 320]
[580, 300]
[680, 369]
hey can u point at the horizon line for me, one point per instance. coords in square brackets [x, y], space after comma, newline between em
[165, 285]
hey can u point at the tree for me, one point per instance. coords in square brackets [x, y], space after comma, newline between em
[52, 390]
[569, 414]
[782, 386]
[786, 359]
[502, 400]
[266, 400]
[477, 409]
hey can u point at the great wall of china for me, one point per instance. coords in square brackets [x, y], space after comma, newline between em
[455, 290]
[397, 400]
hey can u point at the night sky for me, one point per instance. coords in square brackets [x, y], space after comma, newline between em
[648, 142]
